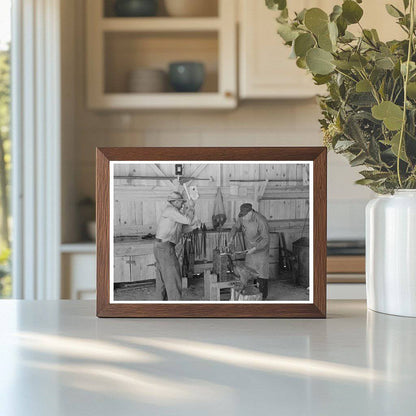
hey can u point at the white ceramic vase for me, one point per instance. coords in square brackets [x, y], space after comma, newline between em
[391, 253]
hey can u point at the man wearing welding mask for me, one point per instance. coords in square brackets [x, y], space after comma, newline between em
[257, 236]
[177, 218]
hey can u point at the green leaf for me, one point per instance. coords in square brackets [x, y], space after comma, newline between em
[358, 61]
[336, 12]
[358, 160]
[393, 11]
[364, 181]
[391, 114]
[319, 61]
[363, 86]
[284, 14]
[375, 35]
[303, 43]
[347, 37]
[412, 67]
[286, 32]
[276, 4]
[343, 65]
[374, 175]
[283, 17]
[325, 42]
[411, 90]
[333, 32]
[377, 75]
[361, 99]
[394, 145]
[343, 145]
[396, 71]
[342, 25]
[301, 63]
[300, 17]
[382, 88]
[374, 150]
[368, 36]
[354, 131]
[406, 4]
[385, 63]
[351, 11]
[321, 79]
[316, 20]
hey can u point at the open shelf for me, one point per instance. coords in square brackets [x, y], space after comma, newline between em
[116, 46]
[195, 101]
[211, 9]
[79, 247]
[160, 24]
[127, 51]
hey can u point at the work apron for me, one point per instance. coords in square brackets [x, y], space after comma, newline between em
[259, 260]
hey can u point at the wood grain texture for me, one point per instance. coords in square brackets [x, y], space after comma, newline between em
[136, 199]
[346, 264]
[226, 310]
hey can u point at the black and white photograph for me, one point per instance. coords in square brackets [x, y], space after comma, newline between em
[210, 232]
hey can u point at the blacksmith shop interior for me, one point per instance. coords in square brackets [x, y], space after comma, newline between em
[211, 261]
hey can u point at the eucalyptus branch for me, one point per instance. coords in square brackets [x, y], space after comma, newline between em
[373, 89]
[345, 75]
[392, 90]
[406, 80]
[398, 95]
[355, 120]
[369, 41]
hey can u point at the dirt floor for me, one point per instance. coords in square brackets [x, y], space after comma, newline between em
[281, 289]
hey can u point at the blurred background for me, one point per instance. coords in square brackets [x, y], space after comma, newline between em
[99, 73]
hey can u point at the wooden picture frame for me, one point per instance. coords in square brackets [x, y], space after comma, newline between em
[316, 308]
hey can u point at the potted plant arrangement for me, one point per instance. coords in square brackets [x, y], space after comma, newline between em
[368, 116]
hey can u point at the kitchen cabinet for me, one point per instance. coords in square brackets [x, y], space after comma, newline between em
[133, 260]
[78, 271]
[265, 70]
[118, 45]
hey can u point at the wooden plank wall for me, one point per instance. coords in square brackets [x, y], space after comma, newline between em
[139, 203]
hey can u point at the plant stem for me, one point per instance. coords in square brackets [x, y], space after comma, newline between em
[345, 75]
[406, 80]
[373, 90]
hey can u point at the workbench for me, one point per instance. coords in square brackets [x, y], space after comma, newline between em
[57, 358]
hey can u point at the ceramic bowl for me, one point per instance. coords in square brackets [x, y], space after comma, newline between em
[136, 8]
[186, 76]
[147, 80]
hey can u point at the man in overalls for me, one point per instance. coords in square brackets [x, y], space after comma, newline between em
[174, 222]
[256, 234]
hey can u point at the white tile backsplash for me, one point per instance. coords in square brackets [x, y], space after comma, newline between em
[346, 219]
[271, 123]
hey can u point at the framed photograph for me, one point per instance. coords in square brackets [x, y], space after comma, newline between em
[211, 232]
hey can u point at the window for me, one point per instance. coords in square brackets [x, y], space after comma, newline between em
[5, 145]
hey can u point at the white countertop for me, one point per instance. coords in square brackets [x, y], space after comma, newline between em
[58, 359]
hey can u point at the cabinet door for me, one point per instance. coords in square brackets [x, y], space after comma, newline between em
[143, 268]
[122, 269]
[376, 17]
[265, 68]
